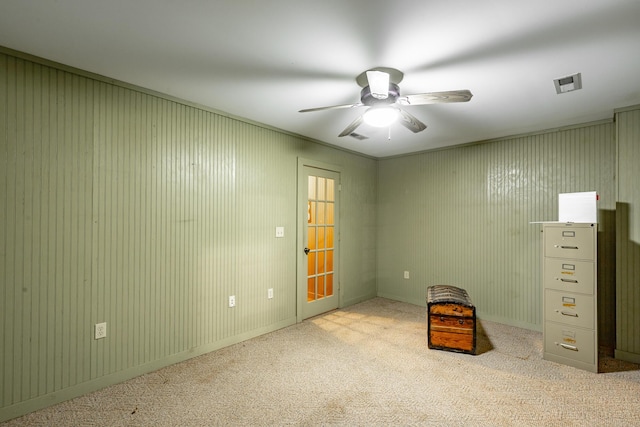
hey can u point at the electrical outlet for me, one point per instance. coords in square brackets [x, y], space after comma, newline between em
[270, 293]
[279, 231]
[406, 274]
[100, 330]
[232, 301]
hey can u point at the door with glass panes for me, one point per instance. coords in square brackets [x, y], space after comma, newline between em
[320, 237]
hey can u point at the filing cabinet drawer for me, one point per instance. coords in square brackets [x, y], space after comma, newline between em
[569, 275]
[569, 342]
[570, 241]
[569, 308]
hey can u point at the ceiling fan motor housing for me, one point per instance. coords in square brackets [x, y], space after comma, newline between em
[369, 100]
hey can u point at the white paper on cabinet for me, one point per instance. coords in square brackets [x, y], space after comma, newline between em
[578, 207]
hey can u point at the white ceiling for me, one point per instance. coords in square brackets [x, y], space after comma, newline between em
[265, 60]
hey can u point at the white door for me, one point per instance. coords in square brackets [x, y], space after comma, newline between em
[319, 286]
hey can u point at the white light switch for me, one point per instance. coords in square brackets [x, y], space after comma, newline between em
[279, 231]
[406, 274]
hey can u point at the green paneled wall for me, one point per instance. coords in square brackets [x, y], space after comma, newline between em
[462, 217]
[628, 241]
[121, 206]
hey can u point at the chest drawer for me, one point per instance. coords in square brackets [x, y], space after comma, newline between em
[575, 242]
[569, 275]
[569, 342]
[569, 308]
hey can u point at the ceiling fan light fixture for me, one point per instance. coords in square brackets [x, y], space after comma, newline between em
[378, 84]
[381, 116]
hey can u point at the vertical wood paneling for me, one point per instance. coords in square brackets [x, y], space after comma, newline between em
[45, 227]
[123, 207]
[462, 216]
[208, 185]
[628, 241]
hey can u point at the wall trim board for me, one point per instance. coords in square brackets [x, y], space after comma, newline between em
[510, 322]
[27, 406]
[627, 356]
[626, 109]
[358, 300]
[151, 92]
[508, 137]
[404, 299]
[479, 313]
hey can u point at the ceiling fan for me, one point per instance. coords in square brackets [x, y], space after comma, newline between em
[381, 93]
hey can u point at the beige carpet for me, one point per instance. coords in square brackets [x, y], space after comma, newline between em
[364, 365]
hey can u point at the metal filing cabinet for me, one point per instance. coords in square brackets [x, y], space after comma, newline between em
[569, 283]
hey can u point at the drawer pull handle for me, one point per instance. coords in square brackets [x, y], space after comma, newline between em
[565, 247]
[568, 313]
[569, 347]
[568, 280]
[460, 321]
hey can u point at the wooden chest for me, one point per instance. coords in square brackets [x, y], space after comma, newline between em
[451, 319]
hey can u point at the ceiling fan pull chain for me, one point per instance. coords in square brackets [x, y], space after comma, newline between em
[389, 138]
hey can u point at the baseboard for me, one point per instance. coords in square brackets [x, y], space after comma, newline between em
[40, 402]
[480, 315]
[627, 356]
[357, 300]
[422, 303]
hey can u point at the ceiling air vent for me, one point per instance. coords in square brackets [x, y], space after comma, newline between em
[568, 84]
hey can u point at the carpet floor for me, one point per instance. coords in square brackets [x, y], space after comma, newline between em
[367, 364]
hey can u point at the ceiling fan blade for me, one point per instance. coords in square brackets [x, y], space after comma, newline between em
[435, 97]
[410, 122]
[349, 129]
[333, 107]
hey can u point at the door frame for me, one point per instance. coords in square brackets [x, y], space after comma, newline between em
[301, 211]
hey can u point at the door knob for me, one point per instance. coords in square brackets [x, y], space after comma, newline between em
[306, 251]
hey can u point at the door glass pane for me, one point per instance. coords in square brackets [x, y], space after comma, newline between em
[311, 264]
[329, 281]
[312, 213]
[329, 260]
[320, 262]
[330, 190]
[329, 237]
[311, 288]
[320, 237]
[320, 293]
[329, 218]
[321, 186]
[312, 187]
[320, 212]
[311, 237]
